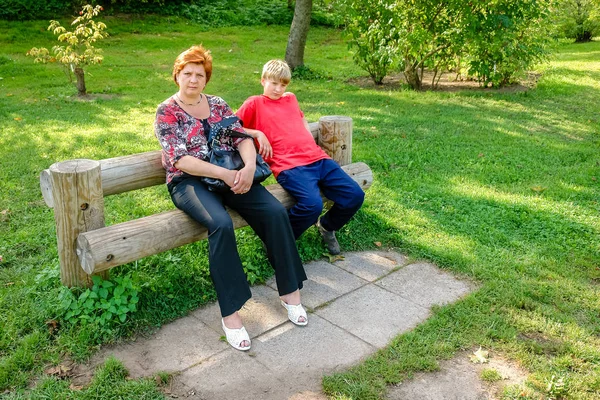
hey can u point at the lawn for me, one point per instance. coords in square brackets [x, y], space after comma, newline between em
[499, 187]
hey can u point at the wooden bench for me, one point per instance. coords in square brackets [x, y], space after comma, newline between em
[76, 190]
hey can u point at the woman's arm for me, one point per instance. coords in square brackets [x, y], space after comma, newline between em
[245, 176]
[194, 166]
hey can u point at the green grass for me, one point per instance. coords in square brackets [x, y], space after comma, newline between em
[502, 188]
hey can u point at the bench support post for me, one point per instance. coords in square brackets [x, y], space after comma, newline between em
[335, 137]
[78, 207]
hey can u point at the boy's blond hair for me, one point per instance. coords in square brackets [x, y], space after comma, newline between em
[277, 70]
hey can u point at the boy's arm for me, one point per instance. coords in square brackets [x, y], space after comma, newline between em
[264, 147]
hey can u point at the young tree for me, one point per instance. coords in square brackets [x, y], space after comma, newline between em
[79, 50]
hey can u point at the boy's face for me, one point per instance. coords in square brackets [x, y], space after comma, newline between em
[273, 89]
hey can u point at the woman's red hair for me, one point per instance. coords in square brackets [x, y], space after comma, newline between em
[194, 55]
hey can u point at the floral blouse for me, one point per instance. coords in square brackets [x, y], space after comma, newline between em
[181, 134]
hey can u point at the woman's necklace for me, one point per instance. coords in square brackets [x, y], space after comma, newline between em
[190, 104]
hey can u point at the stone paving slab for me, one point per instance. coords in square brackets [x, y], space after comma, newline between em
[374, 314]
[227, 376]
[260, 314]
[371, 265]
[325, 283]
[282, 363]
[320, 347]
[173, 348]
[425, 284]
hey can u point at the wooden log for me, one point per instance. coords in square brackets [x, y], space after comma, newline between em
[78, 207]
[335, 137]
[46, 187]
[136, 171]
[117, 175]
[119, 244]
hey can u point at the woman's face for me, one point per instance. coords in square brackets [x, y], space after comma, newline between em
[192, 79]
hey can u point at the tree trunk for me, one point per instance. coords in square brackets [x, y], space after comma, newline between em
[412, 77]
[80, 83]
[294, 53]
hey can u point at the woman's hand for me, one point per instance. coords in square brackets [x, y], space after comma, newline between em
[264, 146]
[243, 179]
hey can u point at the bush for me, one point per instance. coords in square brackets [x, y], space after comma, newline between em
[505, 40]
[373, 36]
[236, 13]
[23, 10]
[577, 19]
[499, 39]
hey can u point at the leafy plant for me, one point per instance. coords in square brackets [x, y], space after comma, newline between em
[79, 49]
[373, 36]
[490, 375]
[556, 388]
[106, 304]
[505, 39]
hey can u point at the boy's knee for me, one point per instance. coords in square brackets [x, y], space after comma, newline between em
[358, 199]
[354, 201]
[314, 207]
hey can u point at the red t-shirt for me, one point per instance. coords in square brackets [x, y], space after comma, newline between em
[282, 122]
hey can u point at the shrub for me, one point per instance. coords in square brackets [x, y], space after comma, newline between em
[504, 39]
[23, 10]
[373, 36]
[577, 19]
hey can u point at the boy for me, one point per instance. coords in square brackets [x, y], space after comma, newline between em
[300, 166]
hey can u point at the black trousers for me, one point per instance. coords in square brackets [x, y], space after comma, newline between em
[264, 213]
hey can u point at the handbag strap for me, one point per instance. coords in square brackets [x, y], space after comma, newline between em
[222, 126]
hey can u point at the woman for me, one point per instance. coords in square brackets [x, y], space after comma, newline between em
[182, 125]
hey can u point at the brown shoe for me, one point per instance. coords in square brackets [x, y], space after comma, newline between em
[330, 240]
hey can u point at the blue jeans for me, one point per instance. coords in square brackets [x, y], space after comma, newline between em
[304, 183]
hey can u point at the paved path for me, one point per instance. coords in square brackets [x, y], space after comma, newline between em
[357, 305]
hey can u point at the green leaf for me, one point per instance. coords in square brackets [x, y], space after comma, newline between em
[107, 284]
[104, 293]
[122, 317]
[113, 309]
[119, 291]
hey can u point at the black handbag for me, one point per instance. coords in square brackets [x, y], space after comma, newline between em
[230, 159]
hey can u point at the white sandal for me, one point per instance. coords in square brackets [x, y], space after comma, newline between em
[235, 337]
[295, 312]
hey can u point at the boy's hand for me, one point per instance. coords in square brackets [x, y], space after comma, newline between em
[264, 147]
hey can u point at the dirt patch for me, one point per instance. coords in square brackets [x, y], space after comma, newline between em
[461, 379]
[448, 82]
